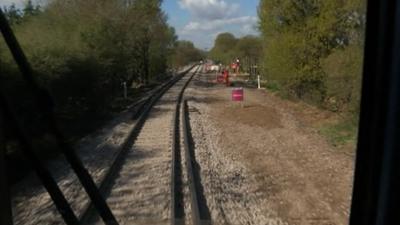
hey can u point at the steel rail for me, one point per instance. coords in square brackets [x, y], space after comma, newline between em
[116, 165]
[177, 208]
[198, 206]
[200, 211]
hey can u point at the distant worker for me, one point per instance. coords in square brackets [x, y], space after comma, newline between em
[226, 77]
[237, 66]
[221, 76]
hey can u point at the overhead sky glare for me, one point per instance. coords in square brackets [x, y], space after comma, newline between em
[201, 21]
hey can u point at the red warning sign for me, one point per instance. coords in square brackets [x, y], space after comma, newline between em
[237, 94]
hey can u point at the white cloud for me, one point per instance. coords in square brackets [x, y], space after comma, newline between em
[203, 33]
[209, 9]
[211, 17]
[246, 22]
[248, 28]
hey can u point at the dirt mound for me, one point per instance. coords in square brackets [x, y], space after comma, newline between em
[253, 115]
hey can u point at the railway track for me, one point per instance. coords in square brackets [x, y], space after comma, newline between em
[139, 178]
[144, 184]
[197, 205]
[200, 212]
[31, 202]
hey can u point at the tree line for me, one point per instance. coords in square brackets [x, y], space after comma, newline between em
[227, 48]
[83, 50]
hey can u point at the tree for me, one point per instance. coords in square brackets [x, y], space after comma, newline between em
[30, 9]
[223, 47]
[299, 35]
[184, 53]
[82, 50]
[13, 14]
[227, 48]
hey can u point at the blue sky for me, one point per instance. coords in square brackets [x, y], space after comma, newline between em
[200, 21]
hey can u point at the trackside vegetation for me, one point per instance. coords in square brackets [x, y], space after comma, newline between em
[313, 51]
[83, 51]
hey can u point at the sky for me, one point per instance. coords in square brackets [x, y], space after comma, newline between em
[18, 3]
[200, 21]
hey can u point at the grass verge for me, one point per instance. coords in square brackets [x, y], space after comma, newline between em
[340, 133]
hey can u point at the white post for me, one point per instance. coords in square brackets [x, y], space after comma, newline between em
[258, 79]
[125, 90]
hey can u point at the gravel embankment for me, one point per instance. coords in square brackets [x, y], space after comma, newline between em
[261, 165]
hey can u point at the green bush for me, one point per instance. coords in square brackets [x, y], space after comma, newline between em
[273, 86]
[343, 68]
[313, 49]
[184, 53]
